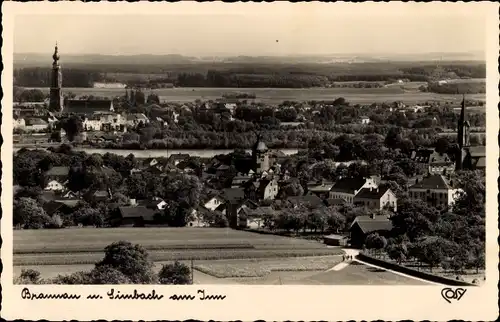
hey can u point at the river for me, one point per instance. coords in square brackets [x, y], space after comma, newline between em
[143, 154]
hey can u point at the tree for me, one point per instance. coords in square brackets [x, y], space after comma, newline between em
[434, 250]
[184, 189]
[176, 273]
[375, 241]
[153, 99]
[397, 252]
[131, 260]
[29, 215]
[108, 275]
[335, 220]
[414, 218]
[29, 276]
[73, 126]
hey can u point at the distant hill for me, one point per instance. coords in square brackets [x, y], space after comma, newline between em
[36, 59]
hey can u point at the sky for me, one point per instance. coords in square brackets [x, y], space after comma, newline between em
[268, 32]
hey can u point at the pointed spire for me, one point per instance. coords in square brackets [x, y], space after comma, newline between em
[56, 56]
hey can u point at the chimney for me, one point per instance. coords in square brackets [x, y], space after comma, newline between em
[372, 216]
[132, 202]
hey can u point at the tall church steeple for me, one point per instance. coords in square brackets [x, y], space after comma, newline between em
[463, 136]
[463, 128]
[56, 102]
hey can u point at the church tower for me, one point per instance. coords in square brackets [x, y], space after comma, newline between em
[56, 101]
[260, 156]
[463, 137]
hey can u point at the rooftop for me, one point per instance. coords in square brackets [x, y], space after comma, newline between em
[436, 181]
[368, 193]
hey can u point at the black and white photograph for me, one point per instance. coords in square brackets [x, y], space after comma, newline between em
[307, 147]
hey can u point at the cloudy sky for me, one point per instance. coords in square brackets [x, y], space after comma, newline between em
[409, 29]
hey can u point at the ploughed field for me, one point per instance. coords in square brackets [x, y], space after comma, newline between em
[408, 94]
[79, 246]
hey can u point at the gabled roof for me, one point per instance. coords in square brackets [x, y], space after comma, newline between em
[262, 211]
[325, 187]
[369, 224]
[137, 212]
[57, 171]
[234, 194]
[35, 121]
[477, 151]
[311, 200]
[348, 185]
[436, 181]
[371, 193]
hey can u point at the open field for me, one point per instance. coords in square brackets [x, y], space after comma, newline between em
[276, 95]
[85, 246]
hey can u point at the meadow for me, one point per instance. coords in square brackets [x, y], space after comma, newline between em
[277, 95]
[86, 245]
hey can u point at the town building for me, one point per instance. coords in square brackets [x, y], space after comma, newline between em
[364, 120]
[362, 226]
[376, 198]
[437, 163]
[18, 122]
[347, 188]
[435, 190]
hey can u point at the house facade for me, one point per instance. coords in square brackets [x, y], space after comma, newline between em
[435, 190]
[376, 198]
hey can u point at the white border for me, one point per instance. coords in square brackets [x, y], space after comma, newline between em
[258, 302]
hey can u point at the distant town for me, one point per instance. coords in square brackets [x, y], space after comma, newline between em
[398, 181]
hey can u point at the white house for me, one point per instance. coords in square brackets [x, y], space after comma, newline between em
[435, 190]
[55, 185]
[365, 120]
[213, 203]
[348, 188]
[19, 123]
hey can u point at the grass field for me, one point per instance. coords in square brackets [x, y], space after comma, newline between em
[277, 95]
[86, 245]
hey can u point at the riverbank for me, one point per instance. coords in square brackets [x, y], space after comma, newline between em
[143, 154]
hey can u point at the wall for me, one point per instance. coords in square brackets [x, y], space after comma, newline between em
[411, 272]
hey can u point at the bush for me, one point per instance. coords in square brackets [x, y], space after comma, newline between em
[131, 260]
[176, 273]
[78, 278]
[108, 275]
[29, 276]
